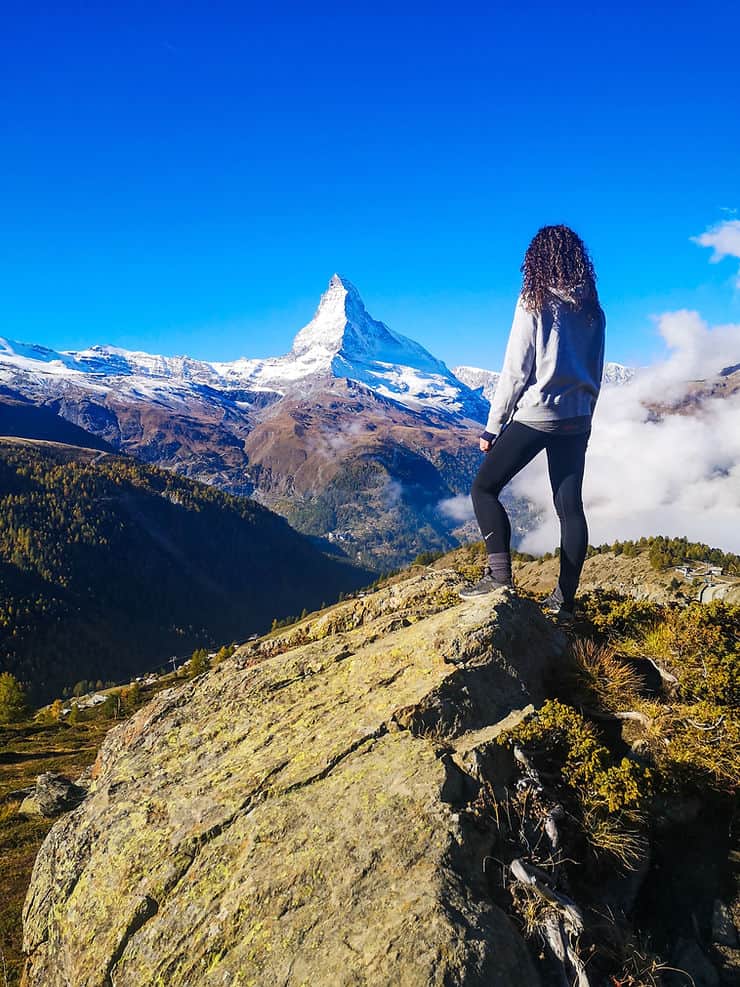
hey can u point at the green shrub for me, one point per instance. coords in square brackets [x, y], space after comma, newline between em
[569, 743]
[13, 704]
[198, 663]
[613, 615]
[426, 558]
[699, 644]
[693, 738]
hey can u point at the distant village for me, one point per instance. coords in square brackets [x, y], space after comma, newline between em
[711, 580]
[699, 570]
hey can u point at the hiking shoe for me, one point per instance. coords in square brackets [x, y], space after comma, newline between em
[553, 606]
[484, 586]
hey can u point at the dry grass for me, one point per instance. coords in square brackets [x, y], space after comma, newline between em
[467, 561]
[608, 680]
[700, 744]
[28, 750]
[641, 967]
[531, 907]
[607, 837]
[8, 810]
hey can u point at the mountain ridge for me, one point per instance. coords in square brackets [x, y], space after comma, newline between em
[479, 378]
[341, 340]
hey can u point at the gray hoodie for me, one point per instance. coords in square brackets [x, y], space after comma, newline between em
[553, 364]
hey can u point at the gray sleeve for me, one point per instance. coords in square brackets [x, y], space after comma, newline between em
[518, 363]
[600, 360]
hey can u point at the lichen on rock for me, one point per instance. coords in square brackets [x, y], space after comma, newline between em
[293, 816]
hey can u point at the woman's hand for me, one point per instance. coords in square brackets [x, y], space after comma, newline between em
[486, 441]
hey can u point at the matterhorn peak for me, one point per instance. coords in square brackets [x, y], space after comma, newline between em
[336, 280]
[343, 340]
[341, 295]
[340, 309]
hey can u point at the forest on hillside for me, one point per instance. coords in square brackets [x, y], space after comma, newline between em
[107, 567]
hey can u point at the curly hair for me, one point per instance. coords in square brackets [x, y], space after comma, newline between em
[558, 258]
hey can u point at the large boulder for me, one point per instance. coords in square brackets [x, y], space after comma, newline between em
[294, 816]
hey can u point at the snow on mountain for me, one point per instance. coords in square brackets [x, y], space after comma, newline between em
[617, 373]
[38, 372]
[341, 341]
[97, 362]
[477, 378]
[343, 327]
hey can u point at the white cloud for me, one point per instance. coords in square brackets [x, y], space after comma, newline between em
[696, 351]
[679, 475]
[458, 508]
[393, 493]
[724, 240]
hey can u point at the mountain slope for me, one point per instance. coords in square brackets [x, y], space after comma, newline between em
[108, 567]
[364, 471]
[26, 420]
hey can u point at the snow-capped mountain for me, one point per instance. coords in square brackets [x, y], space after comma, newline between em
[344, 341]
[357, 434]
[341, 341]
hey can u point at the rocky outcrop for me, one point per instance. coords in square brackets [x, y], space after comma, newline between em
[51, 795]
[294, 815]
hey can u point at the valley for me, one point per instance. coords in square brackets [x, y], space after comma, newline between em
[108, 566]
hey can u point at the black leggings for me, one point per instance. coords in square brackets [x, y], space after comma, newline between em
[517, 445]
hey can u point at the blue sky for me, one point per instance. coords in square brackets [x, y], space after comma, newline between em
[186, 177]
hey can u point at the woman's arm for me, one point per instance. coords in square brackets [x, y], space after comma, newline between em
[518, 363]
[600, 358]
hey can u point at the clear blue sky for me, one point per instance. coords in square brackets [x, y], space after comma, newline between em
[186, 177]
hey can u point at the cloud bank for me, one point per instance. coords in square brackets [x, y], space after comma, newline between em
[674, 472]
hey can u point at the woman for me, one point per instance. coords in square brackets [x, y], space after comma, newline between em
[544, 399]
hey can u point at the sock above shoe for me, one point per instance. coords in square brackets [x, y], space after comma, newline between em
[499, 567]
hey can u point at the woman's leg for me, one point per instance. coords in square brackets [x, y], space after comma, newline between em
[513, 449]
[566, 457]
